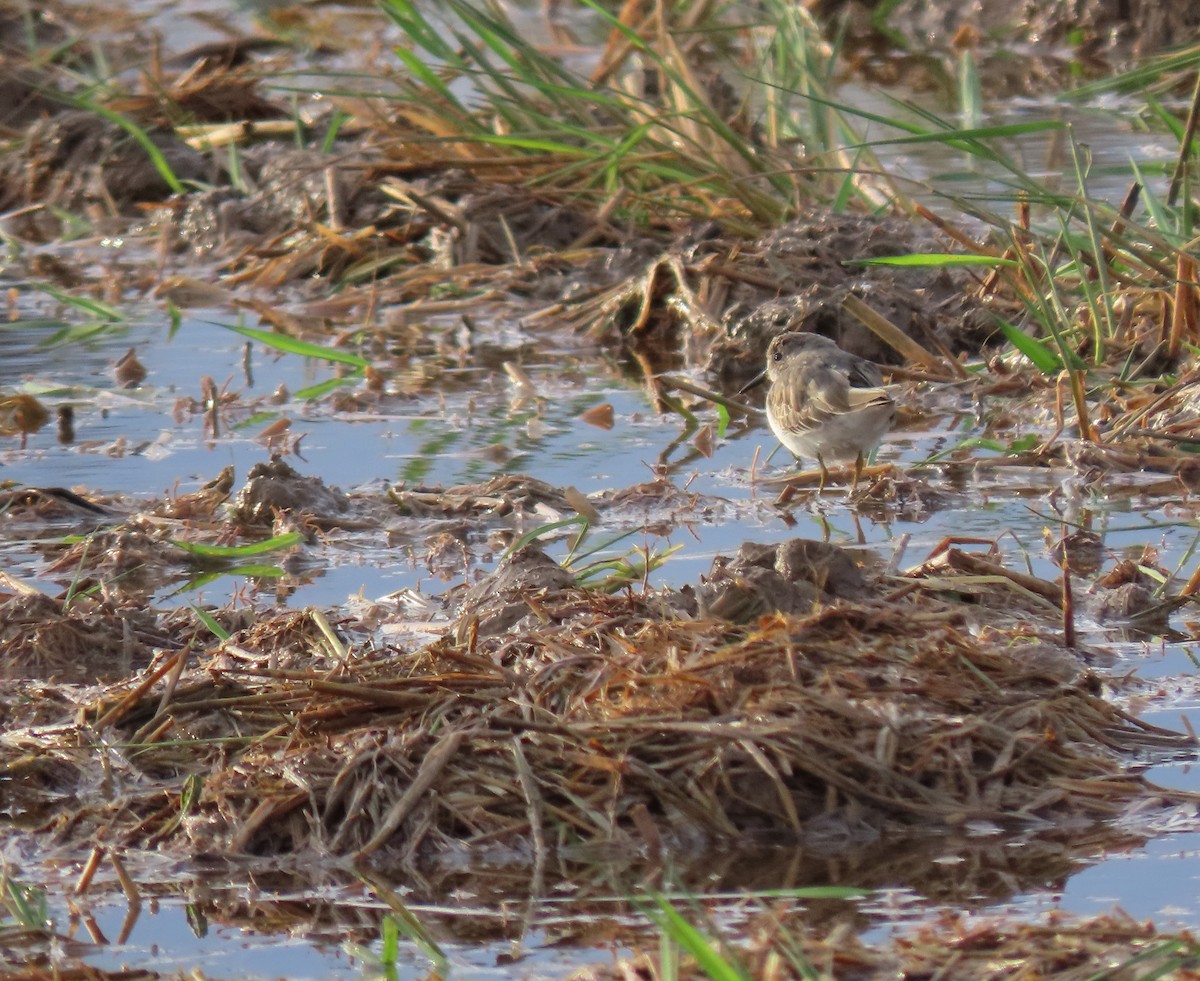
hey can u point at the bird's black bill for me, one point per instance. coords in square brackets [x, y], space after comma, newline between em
[753, 383]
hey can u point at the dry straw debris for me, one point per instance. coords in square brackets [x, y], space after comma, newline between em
[579, 717]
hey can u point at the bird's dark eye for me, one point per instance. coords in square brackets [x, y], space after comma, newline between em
[776, 355]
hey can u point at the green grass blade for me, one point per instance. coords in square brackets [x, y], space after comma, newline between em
[1018, 446]
[970, 90]
[226, 553]
[321, 389]
[248, 571]
[933, 260]
[210, 623]
[84, 304]
[711, 961]
[142, 138]
[1149, 73]
[409, 925]
[576, 557]
[1155, 206]
[430, 78]
[1172, 123]
[1174, 954]
[389, 942]
[413, 23]
[27, 904]
[723, 419]
[290, 345]
[1042, 357]
[536, 533]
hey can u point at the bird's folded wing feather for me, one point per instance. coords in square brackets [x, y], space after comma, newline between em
[824, 395]
[819, 396]
[860, 398]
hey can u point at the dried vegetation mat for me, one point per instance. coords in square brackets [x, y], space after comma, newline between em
[557, 716]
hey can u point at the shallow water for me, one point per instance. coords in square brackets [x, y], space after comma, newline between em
[166, 939]
[132, 444]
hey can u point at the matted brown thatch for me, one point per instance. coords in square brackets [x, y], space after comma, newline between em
[611, 718]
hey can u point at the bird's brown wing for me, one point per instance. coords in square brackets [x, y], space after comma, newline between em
[813, 397]
[817, 395]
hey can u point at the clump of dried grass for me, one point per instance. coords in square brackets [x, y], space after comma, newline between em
[611, 719]
[44, 637]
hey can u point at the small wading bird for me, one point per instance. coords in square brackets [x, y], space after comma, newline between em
[824, 402]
